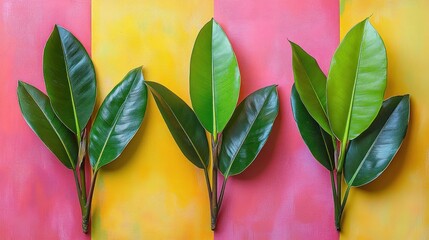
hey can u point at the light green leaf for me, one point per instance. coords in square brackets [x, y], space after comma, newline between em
[214, 78]
[310, 82]
[356, 81]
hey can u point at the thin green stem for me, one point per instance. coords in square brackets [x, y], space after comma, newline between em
[82, 172]
[79, 191]
[342, 156]
[86, 217]
[209, 188]
[346, 195]
[338, 215]
[334, 191]
[343, 204]
[222, 192]
[82, 180]
[214, 208]
[334, 143]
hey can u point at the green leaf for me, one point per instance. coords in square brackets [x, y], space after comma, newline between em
[317, 140]
[214, 78]
[69, 78]
[356, 81]
[183, 125]
[310, 83]
[38, 113]
[248, 130]
[370, 153]
[118, 119]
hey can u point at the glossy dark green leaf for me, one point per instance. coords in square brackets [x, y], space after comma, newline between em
[187, 131]
[118, 119]
[214, 78]
[69, 78]
[356, 81]
[317, 140]
[38, 113]
[370, 153]
[248, 130]
[310, 83]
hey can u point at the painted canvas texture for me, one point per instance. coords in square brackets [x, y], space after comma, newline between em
[38, 199]
[152, 190]
[278, 196]
[394, 206]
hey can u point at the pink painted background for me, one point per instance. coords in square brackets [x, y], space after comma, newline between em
[285, 194]
[38, 196]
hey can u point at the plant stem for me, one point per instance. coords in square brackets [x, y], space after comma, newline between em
[338, 212]
[221, 193]
[209, 188]
[334, 193]
[340, 166]
[86, 217]
[213, 202]
[343, 204]
[346, 195]
[82, 180]
[79, 191]
[82, 164]
[342, 156]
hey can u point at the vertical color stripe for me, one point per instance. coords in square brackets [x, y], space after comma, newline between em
[285, 194]
[395, 206]
[152, 191]
[38, 195]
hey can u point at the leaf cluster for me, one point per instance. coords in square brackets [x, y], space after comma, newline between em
[61, 118]
[342, 118]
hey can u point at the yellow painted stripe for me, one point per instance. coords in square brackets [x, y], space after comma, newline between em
[396, 205]
[151, 191]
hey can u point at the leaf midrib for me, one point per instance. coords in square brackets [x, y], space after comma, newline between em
[326, 148]
[187, 136]
[372, 146]
[247, 133]
[213, 83]
[114, 124]
[70, 87]
[53, 127]
[347, 130]
[312, 87]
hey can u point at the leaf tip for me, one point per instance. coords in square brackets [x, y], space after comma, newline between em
[292, 44]
[58, 27]
[22, 84]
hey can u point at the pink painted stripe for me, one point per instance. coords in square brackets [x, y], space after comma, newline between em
[285, 194]
[38, 196]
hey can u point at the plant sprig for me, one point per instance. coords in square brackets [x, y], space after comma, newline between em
[61, 118]
[237, 134]
[342, 118]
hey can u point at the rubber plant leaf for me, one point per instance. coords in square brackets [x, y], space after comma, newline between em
[118, 119]
[38, 113]
[356, 81]
[214, 78]
[248, 130]
[310, 82]
[317, 140]
[370, 153]
[69, 78]
[183, 124]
